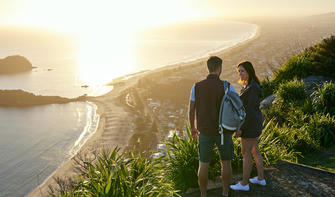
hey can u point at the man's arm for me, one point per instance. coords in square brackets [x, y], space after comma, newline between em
[191, 115]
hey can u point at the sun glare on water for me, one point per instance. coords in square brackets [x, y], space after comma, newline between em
[102, 58]
[103, 28]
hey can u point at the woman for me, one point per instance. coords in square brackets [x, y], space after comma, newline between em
[252, 127]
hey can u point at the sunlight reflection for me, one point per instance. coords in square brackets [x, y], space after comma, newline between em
[103, 57]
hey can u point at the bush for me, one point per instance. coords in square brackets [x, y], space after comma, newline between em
[298, 66]
[292, 92]
[114, 174]
[324, 98]
[322, 129]
[272, 145]
[183, 163]
[268, 87]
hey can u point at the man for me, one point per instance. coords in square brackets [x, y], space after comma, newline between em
[205, 102]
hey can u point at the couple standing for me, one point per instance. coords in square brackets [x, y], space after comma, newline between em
[205, 102]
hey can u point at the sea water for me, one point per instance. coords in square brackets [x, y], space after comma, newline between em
[35, 141]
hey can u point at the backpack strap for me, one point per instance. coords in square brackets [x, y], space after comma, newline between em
[226, 85]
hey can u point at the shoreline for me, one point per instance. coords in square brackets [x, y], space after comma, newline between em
[73, 149]
[101, 108]
[209, 53]
[216, 50]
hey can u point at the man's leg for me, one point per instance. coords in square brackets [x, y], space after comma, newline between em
[203, 178]
[206, 145]
[226, 152]
[226, 174]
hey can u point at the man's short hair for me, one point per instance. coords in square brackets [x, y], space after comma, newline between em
[213, 63]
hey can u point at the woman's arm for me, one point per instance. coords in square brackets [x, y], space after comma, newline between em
[251, 104]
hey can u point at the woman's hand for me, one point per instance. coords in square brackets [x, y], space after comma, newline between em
[238, 134]
[195, 133]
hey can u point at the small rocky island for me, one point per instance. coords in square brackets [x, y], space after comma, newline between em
[20, 98]
[14, 64]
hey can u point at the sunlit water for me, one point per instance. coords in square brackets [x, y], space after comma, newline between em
[36, 140]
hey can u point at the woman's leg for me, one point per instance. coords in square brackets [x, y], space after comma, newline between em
[247, 144]
[258, 160]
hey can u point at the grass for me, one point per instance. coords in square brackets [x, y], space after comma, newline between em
[324, 159]
[119, 174]
[324, 98]
[183, 163]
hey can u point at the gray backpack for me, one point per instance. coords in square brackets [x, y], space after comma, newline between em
[232, 112]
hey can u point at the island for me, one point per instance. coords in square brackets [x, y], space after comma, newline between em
[20, 98]
[14, 64]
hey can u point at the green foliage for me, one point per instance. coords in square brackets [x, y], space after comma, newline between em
[303, 125]
[298, 66]
[114, 174]
[292, 92]
[268, 87]
[324, 98]
[273, 147]
[321, 159]
[322, 129]
[182, 162]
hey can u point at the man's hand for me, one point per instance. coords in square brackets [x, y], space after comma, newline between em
[238, 134]
[195, 134]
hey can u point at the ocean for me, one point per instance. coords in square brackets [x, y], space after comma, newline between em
[35, 141]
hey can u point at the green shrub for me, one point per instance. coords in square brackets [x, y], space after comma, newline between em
[183, 163]
[298, 66]
[324, 98]
[322, 129]
[272, 145]
[114, 174]
[268, 87]
[292, 92]
[295, 117]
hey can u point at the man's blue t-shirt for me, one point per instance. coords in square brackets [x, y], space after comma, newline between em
[192, 97]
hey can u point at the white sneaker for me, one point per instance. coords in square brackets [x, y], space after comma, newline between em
[256, 181]
[239, 186]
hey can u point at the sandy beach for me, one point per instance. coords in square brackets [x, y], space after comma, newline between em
[144, 107]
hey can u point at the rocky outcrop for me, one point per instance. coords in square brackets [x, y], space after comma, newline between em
[20, 98]
[14, 64]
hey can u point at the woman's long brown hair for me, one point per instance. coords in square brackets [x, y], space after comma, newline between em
[250, 70]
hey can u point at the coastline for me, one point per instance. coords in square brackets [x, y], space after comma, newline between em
[112, 113]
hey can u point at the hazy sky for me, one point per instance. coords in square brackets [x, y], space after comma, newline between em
[75, 15]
